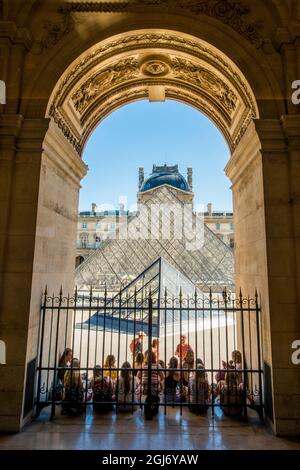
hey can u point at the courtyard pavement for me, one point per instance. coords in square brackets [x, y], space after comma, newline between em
[126, 431]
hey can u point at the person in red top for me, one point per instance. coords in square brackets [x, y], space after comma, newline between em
[136, 345]
[183, 347]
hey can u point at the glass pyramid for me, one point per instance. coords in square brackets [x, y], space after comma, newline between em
[120, 260]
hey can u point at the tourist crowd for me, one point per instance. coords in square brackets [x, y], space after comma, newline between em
[149, 382]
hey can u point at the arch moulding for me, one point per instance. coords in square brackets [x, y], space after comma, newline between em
[157, 65]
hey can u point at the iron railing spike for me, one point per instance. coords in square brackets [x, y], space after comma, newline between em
[241, 294]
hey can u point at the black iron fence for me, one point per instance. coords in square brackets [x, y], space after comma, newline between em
[144, 349]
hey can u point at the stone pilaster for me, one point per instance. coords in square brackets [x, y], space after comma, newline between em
[21, 147]
[265, 174]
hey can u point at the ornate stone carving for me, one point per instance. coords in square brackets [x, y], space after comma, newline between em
[126, 69]
[65, 128]
[231, 12]
[216, 89]
[53, 32]
[155, 66]
[206, 80]
[146, 40]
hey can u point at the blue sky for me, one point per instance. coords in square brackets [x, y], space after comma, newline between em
[143, 134]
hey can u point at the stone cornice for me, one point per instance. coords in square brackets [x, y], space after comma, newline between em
[32, 134]
[271, 135]
[10, 124]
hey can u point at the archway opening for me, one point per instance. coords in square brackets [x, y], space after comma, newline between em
[121, 155]
[106, 78]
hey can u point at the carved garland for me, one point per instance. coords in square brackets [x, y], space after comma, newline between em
[126, 69]
[230, 12]
[129, 69]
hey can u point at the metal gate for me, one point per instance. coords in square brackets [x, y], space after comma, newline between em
[142, 350]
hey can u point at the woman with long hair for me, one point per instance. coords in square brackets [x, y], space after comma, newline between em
[188, 363]
[127, 389]
[64, 362]
[198, 393]
[73, 396]
[232, 394]
[138, 362]
[172, 382]
[110, 367]
[155, 348]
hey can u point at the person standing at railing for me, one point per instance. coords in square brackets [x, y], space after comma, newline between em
[136, 345]
[183, 348]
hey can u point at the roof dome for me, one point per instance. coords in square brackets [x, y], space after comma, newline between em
[165, 175]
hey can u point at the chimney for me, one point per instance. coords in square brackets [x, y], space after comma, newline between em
[94, 207]
[209, 208]
[190, 177]
[141, 176]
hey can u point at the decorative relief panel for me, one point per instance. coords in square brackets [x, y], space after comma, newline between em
[155, 67]
[206, 80]
[233, 13]
[126, 69]
[145, 40]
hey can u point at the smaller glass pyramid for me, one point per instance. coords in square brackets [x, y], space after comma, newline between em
[170, 292]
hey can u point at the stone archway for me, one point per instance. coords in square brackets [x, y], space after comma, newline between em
[128, 60]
